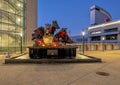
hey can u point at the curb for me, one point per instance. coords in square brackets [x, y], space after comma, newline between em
[18, 55]
[39, 61]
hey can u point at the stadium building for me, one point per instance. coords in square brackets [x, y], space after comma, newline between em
[102, 29]
[108, 32]
[98, 15]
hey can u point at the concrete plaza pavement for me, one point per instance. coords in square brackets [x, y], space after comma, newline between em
[65, 74]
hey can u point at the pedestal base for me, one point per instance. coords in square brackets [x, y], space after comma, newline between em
[60, 52]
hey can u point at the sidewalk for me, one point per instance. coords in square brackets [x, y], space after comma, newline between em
[106, 56]
[10, 56]
[107, 72]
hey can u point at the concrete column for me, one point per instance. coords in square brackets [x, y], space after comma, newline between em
[31, 19]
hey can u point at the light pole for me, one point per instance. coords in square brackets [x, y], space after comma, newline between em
[103, 38]
[21, 43]
[83, 34]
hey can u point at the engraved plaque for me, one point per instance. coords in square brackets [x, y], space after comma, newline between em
[52, 52]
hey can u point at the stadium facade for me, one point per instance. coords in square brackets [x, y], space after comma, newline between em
[107, 32]
[98, 15]
[102, 29]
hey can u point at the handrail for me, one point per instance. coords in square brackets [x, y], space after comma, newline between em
[11, 24]
[12, 4]
[9, 17]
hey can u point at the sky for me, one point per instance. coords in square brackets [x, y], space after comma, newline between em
[73, 14]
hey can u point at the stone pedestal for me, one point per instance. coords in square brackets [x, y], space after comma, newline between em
[60, 52]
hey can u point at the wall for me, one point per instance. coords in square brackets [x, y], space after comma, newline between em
[31, 19]
[97, 46]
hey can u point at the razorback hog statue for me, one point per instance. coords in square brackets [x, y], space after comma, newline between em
[45, 36]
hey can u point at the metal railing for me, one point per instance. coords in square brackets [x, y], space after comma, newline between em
[12, 4]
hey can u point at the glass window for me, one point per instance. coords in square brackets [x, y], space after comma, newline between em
[111, 30]
[111, 37]
[11, 24]
[96, 38]
[95, 32]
